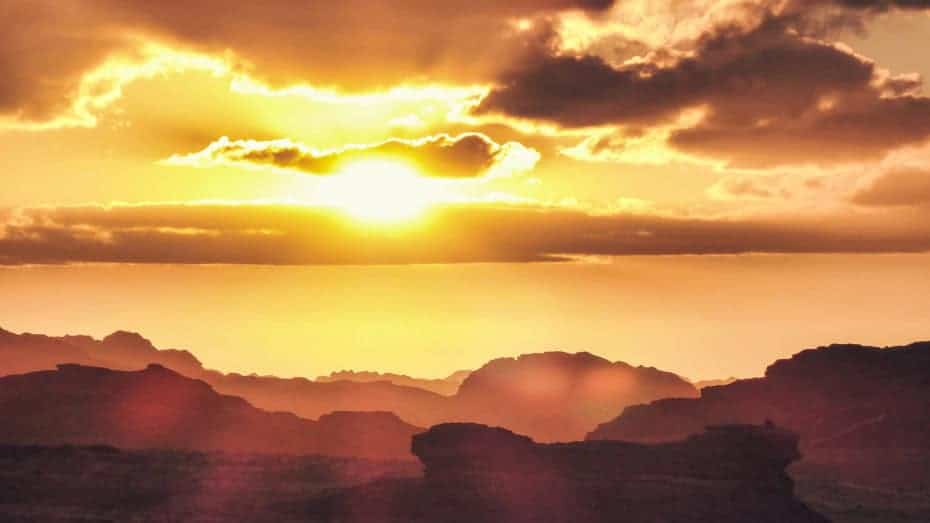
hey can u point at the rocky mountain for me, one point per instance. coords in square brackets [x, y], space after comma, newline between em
[703, 384]
[553, 396]
[447, 386]
[306, 398]
[556, 396]
[159, 408]
[861, 409]
[478, 473]
[20, 353]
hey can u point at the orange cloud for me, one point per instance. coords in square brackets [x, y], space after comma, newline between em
[897, 187]
[48, 48]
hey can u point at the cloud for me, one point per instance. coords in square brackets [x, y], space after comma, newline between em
[48, 47]
[288, 234]
[885, 4]
[467, 155]
[770, 94]
[56, 59]
[897, 187]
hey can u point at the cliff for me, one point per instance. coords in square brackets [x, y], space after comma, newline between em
[862, 411]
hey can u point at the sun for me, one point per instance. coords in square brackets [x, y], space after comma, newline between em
[378, 190]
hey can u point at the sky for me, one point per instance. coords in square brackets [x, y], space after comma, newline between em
[483, 151]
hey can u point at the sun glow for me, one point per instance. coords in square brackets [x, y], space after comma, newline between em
[379, 190]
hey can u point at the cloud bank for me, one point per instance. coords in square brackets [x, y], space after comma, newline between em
[296, 235]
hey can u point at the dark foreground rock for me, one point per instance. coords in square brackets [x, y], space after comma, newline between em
[104, 484]
[476, 473]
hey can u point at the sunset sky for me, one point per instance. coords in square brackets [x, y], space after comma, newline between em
[418, 186]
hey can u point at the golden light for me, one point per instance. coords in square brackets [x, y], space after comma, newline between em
[378, 190]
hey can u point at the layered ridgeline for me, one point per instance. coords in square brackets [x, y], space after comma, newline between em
[862, 412]
[478, 473]
[447, 386]
[551, 396]
[159, 408]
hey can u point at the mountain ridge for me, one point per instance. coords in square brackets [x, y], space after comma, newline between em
[505, 391]
[159, 408]
[857, 408]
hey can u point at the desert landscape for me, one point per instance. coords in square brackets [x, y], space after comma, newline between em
[143, 440]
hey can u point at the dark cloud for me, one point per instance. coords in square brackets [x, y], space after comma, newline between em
[443, 156]
[268, 234]
[41, 63]
[771, 96]
[898, 187]
[885, 4]
[843, 135]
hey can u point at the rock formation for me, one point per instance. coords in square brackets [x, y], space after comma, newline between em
[158, 408]
[447, 386]
[862, 409]
[553, 396]
[556, 396]
[477, 473]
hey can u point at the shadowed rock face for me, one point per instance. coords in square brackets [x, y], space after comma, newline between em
[864, 409]
[841, 396]
[478, 473]
[159, 408]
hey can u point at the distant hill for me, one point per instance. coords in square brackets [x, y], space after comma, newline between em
[703, 384]
[159, 408]
[478, 473]
[447, 386]
[20, 353]
[556, 396]
[308, 399]
[553, 396]
[862, 410]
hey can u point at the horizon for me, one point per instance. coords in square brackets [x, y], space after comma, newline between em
[665, 312]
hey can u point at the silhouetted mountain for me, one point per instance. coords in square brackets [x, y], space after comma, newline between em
[159, 408]
[477, 473]
[306, 398]
[703, 384]
[864, 410]
[552, 396]
[130, 351]
[119, 351]
[447, 386]
[21, 353]
[556, 396]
